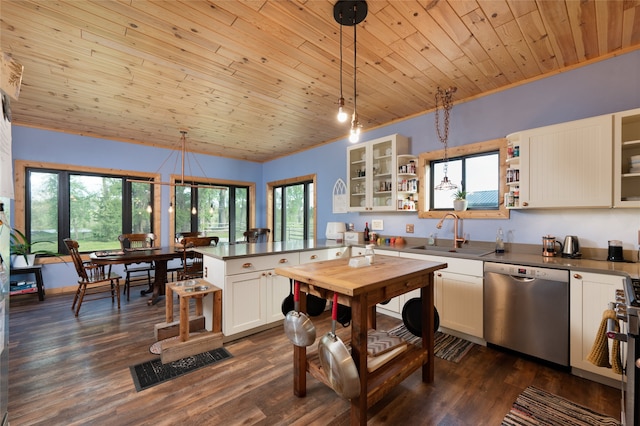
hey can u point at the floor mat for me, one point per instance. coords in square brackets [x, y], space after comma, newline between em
[151, 373]
[447, 347]
[537, 407]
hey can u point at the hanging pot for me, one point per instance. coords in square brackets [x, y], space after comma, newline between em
[344, 314]
[288, 303]
[297, 326]
[315, 305]
[336, 361]
[412, 316]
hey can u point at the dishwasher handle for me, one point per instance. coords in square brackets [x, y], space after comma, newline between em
[523, 279]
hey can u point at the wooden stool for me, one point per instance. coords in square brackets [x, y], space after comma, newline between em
[197, 334]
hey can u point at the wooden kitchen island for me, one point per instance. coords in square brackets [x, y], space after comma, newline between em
[363, 288]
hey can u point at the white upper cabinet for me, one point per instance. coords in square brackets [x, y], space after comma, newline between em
[626, 166]
[565, 165]
[372, 173]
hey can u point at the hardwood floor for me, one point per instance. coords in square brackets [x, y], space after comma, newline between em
[65, 370]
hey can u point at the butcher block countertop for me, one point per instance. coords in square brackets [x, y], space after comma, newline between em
[338, 276]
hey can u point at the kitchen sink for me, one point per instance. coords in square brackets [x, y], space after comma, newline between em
[474, 251]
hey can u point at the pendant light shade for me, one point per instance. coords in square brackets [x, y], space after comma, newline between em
[445, 99]
[350, 13]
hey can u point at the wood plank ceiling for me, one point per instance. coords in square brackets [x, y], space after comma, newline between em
[259, 79]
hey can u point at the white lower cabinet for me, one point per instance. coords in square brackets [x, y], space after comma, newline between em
[457, 293]
[459, 302]
[321, 254]
[589, 297]
[252, 293]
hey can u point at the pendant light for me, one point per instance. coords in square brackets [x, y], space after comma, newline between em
[444, 97]
[350, 13]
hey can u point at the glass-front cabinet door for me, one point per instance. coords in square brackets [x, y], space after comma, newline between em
[372, 173]
[357, 177]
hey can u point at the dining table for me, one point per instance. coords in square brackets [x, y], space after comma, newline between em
[160, 256]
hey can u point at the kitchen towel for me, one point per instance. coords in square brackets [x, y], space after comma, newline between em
[599, 354]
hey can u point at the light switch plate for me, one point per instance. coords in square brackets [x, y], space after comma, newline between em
[376, 225]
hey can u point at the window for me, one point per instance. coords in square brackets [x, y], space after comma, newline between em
[220, 210]
[292, 209]
[477, 174]
[90, 207]
[477, 168]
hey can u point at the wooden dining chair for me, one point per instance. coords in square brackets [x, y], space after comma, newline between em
[139, 269]
[257, 235]
[92, 278]
[192, 260]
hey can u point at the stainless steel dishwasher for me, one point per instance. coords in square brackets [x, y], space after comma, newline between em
[526, 309]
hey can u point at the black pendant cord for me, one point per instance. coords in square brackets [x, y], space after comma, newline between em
[341, 96]
[355, 43]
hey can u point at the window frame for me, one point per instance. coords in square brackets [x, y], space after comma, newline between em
[424, 166]
[290, 182]
[251, 198]
[20, 181]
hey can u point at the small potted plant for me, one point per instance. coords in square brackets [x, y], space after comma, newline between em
[459, 200]
[22, 253]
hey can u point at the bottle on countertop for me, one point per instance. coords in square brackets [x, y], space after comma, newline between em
[366, 232]
[499, 241]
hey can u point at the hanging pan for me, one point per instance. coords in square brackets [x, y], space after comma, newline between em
[315, 305]
[297, 326]
[412, 316]
[287, 303]
[336, 361]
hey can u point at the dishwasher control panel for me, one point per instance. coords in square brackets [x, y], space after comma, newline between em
[523, 271]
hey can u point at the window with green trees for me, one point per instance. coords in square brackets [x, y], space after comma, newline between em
[90, 208]
[221, 210]
[293, 211]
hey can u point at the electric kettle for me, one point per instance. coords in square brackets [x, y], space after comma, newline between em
[571, 247]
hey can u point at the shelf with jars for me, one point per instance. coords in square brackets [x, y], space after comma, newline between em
[372, 175]
[627, 159]
[407, 183]
[512, 193]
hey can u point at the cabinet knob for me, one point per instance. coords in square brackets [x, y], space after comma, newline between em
[525, 204]
[577, 276]
[206, 272]
[247, 265]
[283, 261]
[439, 274]
[314, 257]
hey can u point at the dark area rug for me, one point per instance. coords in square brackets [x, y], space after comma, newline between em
[537, 407]
[154, 372]
[447, 347]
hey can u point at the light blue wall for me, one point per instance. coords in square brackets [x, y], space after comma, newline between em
[55, 147]
[600, 88]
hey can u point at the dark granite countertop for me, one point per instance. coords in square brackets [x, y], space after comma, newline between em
[516, 255]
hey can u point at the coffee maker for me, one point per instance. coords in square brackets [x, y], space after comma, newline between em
[615, 251]
[549, 246]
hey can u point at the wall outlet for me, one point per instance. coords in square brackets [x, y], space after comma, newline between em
[409, 228]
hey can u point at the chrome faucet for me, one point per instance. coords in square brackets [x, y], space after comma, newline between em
[457, 241]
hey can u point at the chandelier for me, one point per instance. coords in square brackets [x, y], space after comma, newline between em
[183, 156]
[444, 98]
